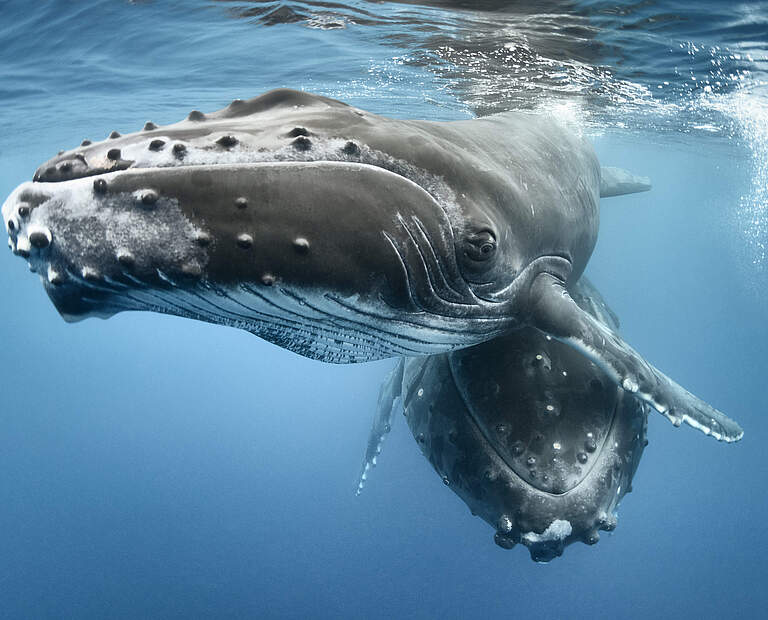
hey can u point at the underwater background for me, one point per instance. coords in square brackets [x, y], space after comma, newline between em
[155, 467]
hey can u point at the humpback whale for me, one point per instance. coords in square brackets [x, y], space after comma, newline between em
[531, 435]
[339, 234]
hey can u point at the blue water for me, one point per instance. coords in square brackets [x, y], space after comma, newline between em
[155, 467]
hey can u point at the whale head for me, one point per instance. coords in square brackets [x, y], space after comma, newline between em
[288, 215]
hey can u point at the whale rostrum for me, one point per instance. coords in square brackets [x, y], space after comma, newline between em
[339, 234]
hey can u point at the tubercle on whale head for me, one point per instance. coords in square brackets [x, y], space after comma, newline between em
[199, 135]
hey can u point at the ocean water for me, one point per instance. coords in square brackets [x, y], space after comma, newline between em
[155, 467]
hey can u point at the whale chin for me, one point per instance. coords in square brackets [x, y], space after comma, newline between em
[76, 299]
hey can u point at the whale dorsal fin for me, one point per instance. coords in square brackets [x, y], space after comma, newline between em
[617, 182]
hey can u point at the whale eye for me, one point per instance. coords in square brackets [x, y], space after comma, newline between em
[480, 246]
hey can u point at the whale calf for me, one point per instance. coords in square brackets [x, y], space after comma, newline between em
[339, 234]
[530, 434]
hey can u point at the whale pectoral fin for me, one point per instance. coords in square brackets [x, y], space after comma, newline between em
[554, 312]
[589, 299]
[617, 182]
[388, 404]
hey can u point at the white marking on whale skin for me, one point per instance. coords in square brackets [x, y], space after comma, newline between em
[556, 531]
[89, 273]
[165, 277]
[22, 244]
[90, 230]
[52, 274]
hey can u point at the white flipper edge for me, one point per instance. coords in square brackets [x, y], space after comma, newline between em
[388, 405]
[617, 182]
[555, 313]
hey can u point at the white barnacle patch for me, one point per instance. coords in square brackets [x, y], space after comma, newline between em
[98, 236]
[505, 524]
[22, 244]
[630, 385]
[125, 257]
[558, 530]
[89, 273]
[54, 277]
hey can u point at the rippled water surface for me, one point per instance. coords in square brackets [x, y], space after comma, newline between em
[157, 467]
